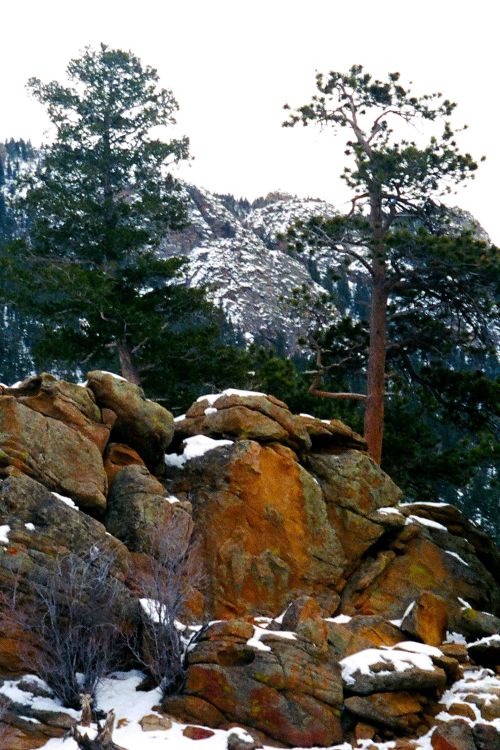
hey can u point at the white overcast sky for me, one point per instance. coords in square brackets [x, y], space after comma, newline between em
[233, 64]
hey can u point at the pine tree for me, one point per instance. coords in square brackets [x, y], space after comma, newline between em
[396, 233]
[89, 268]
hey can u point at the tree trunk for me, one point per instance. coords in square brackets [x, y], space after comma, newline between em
[375, 386]
[374, 411]
[127, 367]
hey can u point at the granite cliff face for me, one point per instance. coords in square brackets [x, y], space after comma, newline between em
[330, 611]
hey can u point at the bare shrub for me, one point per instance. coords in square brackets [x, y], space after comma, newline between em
[69, 614]
[173, 568]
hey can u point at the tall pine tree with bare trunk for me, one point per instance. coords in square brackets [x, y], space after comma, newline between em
[397, 180]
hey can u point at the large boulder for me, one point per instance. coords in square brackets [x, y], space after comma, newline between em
[69, 403]
[393, 669]
[423, 557]
[54, 454]
[139, 509]
[273, 682]
[142, 424]
[244, 415]
[359, 498]
[265, 529]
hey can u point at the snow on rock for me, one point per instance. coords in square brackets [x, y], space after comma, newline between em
[425, 522]
[213, 397]
[407, 611]
[339, 619]
[389, 510]
[396, 659]
[417, 648]
[255, 640]
[486, 641]
[66, 500]
[457, 556]
[194, 447]
[4, 534]
[29, 526]
[10, 689]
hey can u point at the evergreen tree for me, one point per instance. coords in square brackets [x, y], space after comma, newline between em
[430, 281]
[97, 209]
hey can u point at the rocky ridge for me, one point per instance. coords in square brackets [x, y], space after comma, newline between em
[330, 611]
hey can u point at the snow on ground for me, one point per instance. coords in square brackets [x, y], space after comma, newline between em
[130, 705]
[480, 685]
[194, 447]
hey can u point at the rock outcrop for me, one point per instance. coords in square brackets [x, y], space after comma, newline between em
[343, 614]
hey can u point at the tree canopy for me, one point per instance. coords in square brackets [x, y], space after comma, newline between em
[96, 211]
[431, 287]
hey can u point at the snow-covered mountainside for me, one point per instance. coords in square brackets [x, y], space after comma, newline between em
[233, 251]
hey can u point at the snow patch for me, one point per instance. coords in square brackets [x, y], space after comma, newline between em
[194, 447]
[29, 526]
[258, 632]
[172, 499]
[4, 534]
[425, 522]
[212, 397]
[460, 559]
[396, 659]
[407, 611]
[66, 500]
[339, 619]
[210, 410]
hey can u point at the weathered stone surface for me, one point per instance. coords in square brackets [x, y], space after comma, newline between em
[331, 434]
[399, 711]
[379, 670]
[304, 617]
[390, 581]
[427, 619]
[155, 722]
[52, 453]
[25, 728]
[116, 457]
[245, 417]
[477, 624]
[361, 632]
[289, 692]
[454, 735]
[241, 740]
[355, 488]
[71, 404]
[486, 651]
[486, 737]
[138, 511]
[143, 425]
[197, 733]
[264, 529]
[463, 533]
